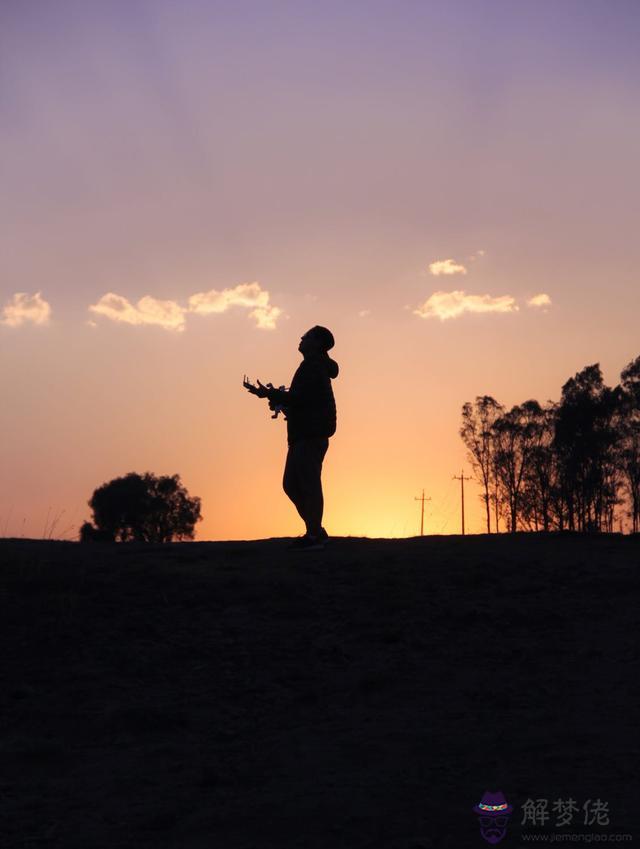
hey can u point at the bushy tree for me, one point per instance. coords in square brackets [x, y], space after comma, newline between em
[538, 497]
[89, 533]
[514, 435]
[629, 445]
[585, 442]
[476, 432]
[142, 508]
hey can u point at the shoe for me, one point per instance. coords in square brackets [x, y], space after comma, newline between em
[323, 534]
[307, 543]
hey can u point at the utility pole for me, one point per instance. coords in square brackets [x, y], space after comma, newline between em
[462, 478]
[422, 499]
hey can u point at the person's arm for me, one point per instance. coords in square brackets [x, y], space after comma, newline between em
[269, 391]
[303, 388]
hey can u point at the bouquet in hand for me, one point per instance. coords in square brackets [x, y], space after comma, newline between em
[262, 391]
[277, 408]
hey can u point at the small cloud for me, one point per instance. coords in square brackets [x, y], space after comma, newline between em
[363, 313]
[23, 308]
[250, 295]
[476, 255]
[446, 266]
[148, 310]
[541, 300]
[444, 305]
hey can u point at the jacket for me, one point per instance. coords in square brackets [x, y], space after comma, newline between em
[309, 403]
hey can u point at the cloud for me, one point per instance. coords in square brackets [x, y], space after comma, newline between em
[171, 316]
[148, 310]
[250, 295]
[23, 308]
[444, 305]
[446, 266]
[476, 255]
[364, 313]
[541, 300]
[266, 317]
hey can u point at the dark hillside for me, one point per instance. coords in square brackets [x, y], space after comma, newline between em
[241, 696]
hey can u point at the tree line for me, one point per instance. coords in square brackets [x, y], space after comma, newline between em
[572, 464]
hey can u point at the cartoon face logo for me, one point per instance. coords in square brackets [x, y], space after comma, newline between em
[493, 813]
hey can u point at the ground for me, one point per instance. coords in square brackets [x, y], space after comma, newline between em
[239, 695]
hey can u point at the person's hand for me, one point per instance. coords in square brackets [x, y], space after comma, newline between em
[259, 390]
[262, 390]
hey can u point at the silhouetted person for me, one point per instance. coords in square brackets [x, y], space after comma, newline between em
[310, 410]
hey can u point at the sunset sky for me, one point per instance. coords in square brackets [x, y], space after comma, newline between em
[452, 187]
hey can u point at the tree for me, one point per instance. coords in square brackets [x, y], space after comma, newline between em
[540, 475]
[476, 433]
[88, 533]
[142, 508]
[630, 439]
[585, 442]
[514, 438]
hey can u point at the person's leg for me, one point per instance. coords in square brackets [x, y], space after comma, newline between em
[312, 499]
[291, 479]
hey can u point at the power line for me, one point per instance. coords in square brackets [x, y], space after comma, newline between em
[462, 478]
[422, 499]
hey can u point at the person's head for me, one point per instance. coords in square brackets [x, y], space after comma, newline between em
[316, 341]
